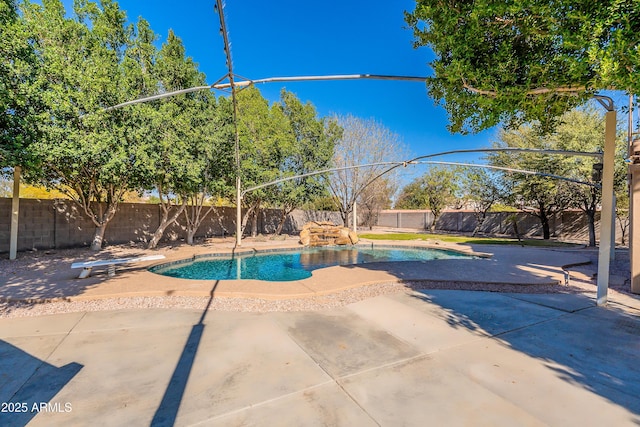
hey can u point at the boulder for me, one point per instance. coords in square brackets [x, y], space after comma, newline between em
[323, 233]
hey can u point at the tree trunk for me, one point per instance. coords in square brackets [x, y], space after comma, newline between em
[479, 221]
[190, 234]
[254, 222]
[283, 219]
[432, 227]
[164, 223]
[344, 214]
[592, 228]
[98, 237]
[546, 233]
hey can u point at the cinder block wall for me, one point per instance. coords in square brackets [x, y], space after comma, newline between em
[567, 225]
[48, 224]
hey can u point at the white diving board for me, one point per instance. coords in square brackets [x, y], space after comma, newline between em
[111, 263]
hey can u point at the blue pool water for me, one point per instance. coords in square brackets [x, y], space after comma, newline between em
[292, 265]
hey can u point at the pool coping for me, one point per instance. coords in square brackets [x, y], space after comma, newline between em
[244, 252]
[499, 265]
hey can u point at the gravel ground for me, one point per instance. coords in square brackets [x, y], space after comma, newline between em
[48, 259]
[337, 299]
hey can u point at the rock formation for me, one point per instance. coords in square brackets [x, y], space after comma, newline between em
[326, 233]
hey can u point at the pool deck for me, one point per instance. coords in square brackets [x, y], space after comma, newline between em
[501, 265]
[414, 358]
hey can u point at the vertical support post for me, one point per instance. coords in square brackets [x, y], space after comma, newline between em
[634, 233]
[15, 212]
[355, 217]
[238, 212]
[604, 255]
[218, 6]
[612, 255]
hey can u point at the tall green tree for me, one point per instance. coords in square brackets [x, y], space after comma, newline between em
[92, 157]
[435, 190]
[19, 97]
[582, 130]
[266, 140]
[577, 130]
[511, 62]
[538, 195]
[313, 143]
[181, 135]
[212, 170]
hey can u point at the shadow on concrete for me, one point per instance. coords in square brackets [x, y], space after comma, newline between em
[45, 277]
[596, 348]
[167, 412]
[28, 385]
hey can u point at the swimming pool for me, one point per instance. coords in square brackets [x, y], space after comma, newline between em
[288, 265]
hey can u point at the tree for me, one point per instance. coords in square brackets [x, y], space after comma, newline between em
[312, 149]
[482, 190]
[212, 168]
[515, 62]
[578, 130]
[20, 104]
[373, 198]
[266, 140]
[435, 190]
[180, 133]
[538, 195]
[582, 130]
[411, 196]
[93, 158]
[362, 142]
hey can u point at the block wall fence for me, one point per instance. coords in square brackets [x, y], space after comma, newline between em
[49, 224]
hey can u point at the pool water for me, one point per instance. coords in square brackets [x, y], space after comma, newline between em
[293, 265]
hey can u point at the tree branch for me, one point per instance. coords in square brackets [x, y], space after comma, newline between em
[538, 91]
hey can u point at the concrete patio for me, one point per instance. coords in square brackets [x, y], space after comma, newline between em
[416, 357]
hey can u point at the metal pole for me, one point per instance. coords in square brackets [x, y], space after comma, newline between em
[634, 208]
[234, 101]
[15, 211]
[238, 212]
[355, 217]
[630, 193]
[612, 255]
[607, 201]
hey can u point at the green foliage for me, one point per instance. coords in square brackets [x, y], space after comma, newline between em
[578, 130]
[541, 196]
[481, 188]
[266, 140]
[435, 190]
[313, 146]
[93, 60]
[20, 103]
[525, 56]
[282, 140]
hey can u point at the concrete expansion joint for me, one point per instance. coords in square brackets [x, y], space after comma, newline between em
[45, 359]
[262, 403]
[354, 400]
[563, 314]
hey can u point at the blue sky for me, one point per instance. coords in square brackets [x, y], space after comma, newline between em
[292, 38]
